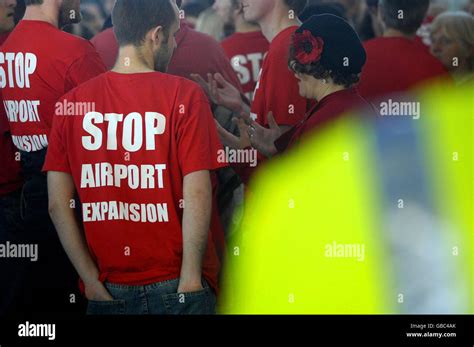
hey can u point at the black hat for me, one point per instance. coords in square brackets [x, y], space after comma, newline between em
[339, 46]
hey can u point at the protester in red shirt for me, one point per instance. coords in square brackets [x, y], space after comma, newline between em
[277, 90]
[49, 71]
[140, 162]
[10, 184]
[319, 50]
[207, 57]
[246, 48]
[10, 178]
[38, 64]
[398, 61]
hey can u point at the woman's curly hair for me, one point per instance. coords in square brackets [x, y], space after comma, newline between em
[318, 71]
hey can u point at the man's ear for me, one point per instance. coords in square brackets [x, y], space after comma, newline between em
[157, 35]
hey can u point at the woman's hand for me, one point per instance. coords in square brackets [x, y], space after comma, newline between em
[263, 139]
[232, 141]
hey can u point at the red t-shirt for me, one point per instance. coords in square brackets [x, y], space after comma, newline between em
[246, 52]
[277, 89]
[396, 64]
[128, 159]
[10, 170]
[196, 53]
[38, 64]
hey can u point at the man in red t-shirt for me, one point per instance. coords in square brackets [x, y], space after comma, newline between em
[246, 48]
[277, 90]
[196, 53]
[10, 187]
[398, 61]
[38, 64]
[140, 161]
[10, 178]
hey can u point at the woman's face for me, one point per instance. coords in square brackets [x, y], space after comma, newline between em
[305, 85]
[447, 50]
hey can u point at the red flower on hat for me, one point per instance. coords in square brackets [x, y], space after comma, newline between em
[308, 49]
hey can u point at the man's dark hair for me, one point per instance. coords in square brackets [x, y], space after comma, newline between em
[404, 15]
[296, 5]
[33, 2]
[133, 19]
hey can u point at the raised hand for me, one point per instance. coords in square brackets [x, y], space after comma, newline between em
[263, 139]
[230, 140]
[220, 91]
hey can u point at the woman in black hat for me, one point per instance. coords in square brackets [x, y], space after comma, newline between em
[327, 57]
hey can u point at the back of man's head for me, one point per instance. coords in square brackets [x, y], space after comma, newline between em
[404, 15]
[68, 11]
[133, 19]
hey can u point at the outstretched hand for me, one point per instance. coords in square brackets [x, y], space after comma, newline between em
[220, 91]
[252, 134]
[230, 140]
[263, 139]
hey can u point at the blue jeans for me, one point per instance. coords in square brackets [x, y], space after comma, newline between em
[154, 299]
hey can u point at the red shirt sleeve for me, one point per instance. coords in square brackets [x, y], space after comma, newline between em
[278, 91]
[197, 139]
[57, 157]
[83, 69]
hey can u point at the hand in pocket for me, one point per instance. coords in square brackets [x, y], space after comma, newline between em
[96, 291]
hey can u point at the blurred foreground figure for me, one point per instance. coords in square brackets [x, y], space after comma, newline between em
[378, 221]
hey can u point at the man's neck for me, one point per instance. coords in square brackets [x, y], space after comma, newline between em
[242, 26]
[42, 13]
[276, 21]
[397, 33]
[131, 61]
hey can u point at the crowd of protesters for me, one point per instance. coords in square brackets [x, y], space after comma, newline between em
[131, 129]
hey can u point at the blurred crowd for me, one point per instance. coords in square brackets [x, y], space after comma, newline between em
[447, 37]
[451, 35]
